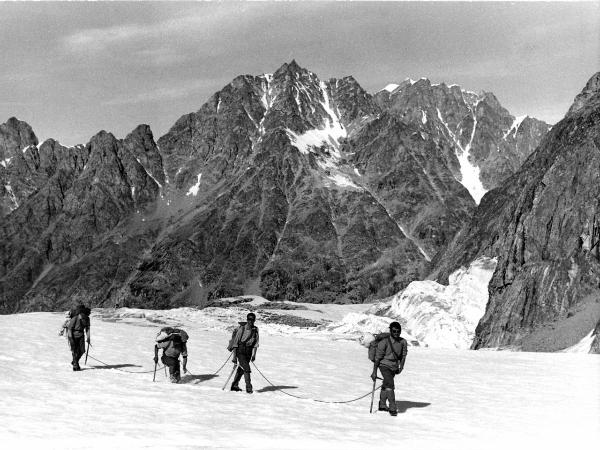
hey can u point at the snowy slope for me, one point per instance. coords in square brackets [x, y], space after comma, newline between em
[448, 398]
[443, 316]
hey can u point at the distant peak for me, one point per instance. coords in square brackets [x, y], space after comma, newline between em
[291, 67]
[590, 93]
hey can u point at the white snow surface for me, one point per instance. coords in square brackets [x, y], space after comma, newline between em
[5, 162]
[443, 316]
[391, 87]
[194, 189]
[447, 398]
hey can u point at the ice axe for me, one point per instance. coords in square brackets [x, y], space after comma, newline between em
[87, 351]
[230, 375]
[372, 396]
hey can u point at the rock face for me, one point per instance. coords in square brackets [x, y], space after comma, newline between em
[17, 164]
[489, 143]
[55, 244]
[282, 185]
[539, 225]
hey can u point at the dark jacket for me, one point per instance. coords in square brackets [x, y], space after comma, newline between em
[385, 356]
[77, 325]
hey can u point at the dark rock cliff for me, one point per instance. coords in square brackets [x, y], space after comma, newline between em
[545, 292]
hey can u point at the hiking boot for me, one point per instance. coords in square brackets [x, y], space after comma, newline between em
[393, 412]
[383, 408]
[249, 389]
[235, 388]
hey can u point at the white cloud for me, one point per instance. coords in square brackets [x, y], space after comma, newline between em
[203, 22]
[168, 93]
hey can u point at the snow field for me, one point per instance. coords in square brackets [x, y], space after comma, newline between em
[447, 398]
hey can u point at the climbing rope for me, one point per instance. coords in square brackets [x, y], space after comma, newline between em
[259, 371]
[158, 368]
[314, 399]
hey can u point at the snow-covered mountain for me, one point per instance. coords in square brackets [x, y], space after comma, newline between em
[283, 185]
[489, 143]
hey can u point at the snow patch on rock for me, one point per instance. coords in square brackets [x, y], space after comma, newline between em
[515, 126]
[391, 87]
[194, 189]
[469, 172]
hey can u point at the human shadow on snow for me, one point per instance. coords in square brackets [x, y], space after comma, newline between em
[115, 366]
[275, 388]
[195, 379]
[404, 405]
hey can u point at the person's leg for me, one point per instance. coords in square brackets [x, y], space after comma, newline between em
[78, 349]
[170, 363]
[388, 384]
[176, 377]
[248, 382]
[73, 346]
[236, 379]
[244, 355]
[392, 400]
[387, 389]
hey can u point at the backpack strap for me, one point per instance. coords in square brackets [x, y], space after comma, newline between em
[252, 334]
[392, 348]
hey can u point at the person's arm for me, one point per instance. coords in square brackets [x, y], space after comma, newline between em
[87, 330]
[236, 340]
[379, 355]
[70, 326]
[255, 348]
[403, 355]
[184, 353]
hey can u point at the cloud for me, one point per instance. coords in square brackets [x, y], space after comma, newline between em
[165, 94]
[199, 22]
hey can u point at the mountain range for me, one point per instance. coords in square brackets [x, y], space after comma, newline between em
[302, 189]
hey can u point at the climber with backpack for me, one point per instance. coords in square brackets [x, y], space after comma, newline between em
[173, 342]
[78, 333]
[243, 345]
[388, 353]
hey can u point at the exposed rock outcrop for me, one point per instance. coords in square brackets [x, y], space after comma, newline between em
[538, 224]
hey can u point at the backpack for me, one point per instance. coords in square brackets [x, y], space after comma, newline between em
[80, 309]
[80, 320]
[375, 342]
[171, 340]
[233, 334]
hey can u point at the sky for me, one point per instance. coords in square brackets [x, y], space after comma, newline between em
[73, 69]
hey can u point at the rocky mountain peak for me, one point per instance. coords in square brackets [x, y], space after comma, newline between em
[289, 68]
[589, 96]
[15, 136]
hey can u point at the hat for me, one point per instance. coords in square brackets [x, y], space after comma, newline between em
[396, 325]
[251, 316]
